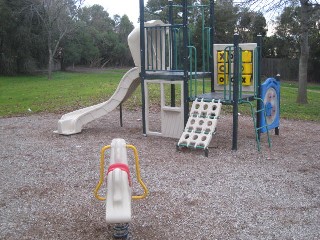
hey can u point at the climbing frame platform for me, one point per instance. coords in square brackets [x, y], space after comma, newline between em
[201, 125]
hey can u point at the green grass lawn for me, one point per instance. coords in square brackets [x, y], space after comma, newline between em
[65, 92]
[291, 110]
[69, 91]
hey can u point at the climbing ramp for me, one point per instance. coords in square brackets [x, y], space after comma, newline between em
[201, 125]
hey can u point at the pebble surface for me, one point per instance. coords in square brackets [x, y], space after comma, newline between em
[47, 182]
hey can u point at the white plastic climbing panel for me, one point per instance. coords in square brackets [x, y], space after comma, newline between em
[201, 124]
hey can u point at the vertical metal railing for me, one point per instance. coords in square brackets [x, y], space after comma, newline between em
[164, 48]
[228, 76]
[193, 70]
[240, 66]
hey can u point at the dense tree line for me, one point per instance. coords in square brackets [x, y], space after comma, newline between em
[36, 33]
[286, 40]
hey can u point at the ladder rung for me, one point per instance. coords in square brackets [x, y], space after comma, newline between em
[261, 127]
[260, 110]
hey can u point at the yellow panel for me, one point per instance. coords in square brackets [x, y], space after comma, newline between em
[221, 79]
[222, 68]
[247, 68]
[247, 56]
[247, 80]
[220, 56]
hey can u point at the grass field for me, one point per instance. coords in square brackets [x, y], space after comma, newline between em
[67, 91]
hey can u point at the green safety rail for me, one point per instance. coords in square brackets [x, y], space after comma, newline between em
[164, 51]
[228, 74]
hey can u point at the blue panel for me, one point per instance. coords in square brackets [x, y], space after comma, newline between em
[272, 103]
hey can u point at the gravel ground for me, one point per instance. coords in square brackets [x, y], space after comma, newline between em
[47, 182]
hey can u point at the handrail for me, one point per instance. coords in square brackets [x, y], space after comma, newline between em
[176, 40]
[227, 73]
[209, 29]
[145, 189]
[240, 73]
[191, 69]
[101, 174]
[102, 169]
[191, 6]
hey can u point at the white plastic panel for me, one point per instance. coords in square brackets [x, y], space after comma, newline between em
[201, 124]
[172, 122]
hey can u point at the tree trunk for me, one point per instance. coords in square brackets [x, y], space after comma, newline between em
[304, 55]
[50, 64]
[50, 60]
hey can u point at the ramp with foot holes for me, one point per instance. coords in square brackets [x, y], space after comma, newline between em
[201, 124]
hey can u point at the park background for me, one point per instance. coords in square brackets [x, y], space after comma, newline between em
[71, 33]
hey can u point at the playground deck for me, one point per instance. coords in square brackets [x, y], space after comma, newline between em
[225, 98]
[174, 74]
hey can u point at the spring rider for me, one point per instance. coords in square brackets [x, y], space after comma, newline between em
[119, 186]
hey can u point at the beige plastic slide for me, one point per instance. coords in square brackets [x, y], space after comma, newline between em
[73, 122]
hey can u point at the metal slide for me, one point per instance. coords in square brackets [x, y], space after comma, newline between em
[73, 122]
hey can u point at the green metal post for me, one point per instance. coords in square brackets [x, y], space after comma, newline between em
[212, 43]
[185, 60]
[203, 39]
[203, 51]
[235, 92]
[259, 104]
[173, 87]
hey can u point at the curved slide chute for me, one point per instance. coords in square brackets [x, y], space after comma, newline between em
[73, 122]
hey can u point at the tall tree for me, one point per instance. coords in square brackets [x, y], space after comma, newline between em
[123, 29]
[306, 9]
[226, 17]
[57, 18]
[100, 40]
[288, 31]
[20, 38]
[251, 24]
[8, 25]
[100, 30]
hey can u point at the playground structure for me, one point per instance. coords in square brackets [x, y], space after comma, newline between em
[182, 54]
[119, 185]
[182, 59]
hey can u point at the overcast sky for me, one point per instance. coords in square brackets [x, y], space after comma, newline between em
[120, 7]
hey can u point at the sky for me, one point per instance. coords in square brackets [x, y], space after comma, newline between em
[120, 7]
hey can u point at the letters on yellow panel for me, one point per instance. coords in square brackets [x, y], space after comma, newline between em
[220, 57]
[246, 56]
[223, 68]
[221, 79]
[246, 79]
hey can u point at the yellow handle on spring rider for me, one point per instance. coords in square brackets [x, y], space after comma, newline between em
[136, 157]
